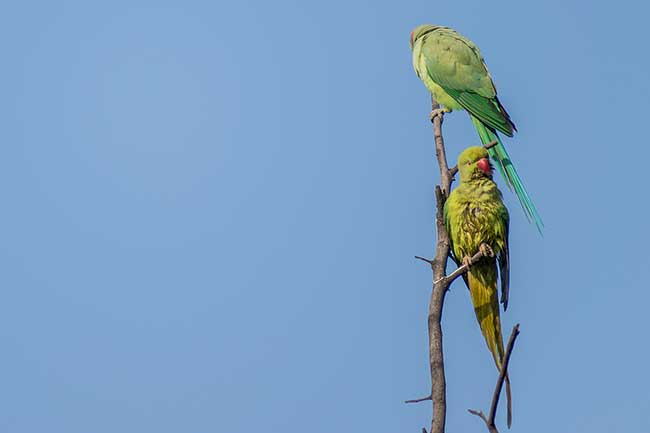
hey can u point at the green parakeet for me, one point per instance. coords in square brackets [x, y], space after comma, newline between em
[477, 220]
[454, 71]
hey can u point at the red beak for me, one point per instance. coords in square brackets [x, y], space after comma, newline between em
[484, 165]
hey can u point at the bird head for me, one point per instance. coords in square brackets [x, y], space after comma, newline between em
[420, 31]
[474, 163]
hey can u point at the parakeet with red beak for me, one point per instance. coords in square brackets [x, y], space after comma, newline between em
[453, 70]
[477, 220]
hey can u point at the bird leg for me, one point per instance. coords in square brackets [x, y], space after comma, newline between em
[467, 261]
[486, 250]
[438, 112]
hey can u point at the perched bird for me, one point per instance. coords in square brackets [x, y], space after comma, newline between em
[454, 71]
[477, 220]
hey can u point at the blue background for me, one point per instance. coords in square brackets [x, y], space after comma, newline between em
[210, 212]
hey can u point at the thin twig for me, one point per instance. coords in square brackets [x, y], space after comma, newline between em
[418, 400]
[489, 421]
[462, 268]
[429, 261]
[478, 413]
[454, 169]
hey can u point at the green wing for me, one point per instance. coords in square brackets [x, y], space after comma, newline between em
[456, 65]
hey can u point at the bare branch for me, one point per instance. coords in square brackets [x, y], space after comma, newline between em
[454, 169]
[429, 261]
[441, 154]
[478, 413]
[438, 265]
[489, 421]
[418, 400]
[462, 269]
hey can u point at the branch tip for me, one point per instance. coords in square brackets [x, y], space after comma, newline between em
[429, 261]
[418, 400]
[489, 421]
[478, 413]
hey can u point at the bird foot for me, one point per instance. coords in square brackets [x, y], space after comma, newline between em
[467, 261]
[486, 250]
[438, 112]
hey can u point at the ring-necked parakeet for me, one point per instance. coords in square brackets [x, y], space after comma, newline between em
[454, 71]
[477, 220]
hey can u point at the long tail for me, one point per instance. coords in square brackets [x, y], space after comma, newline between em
[508, 171]
[482, 280]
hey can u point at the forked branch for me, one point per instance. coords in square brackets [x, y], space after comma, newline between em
[489, 420]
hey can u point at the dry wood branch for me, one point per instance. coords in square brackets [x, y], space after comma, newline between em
[438, 265]
[441, 153]
[418, 400]
[462, 268]
[429, 261]
[478, 413]
[489, 421]
[454, 169]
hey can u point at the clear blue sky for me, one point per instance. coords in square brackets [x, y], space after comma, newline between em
[210, 211]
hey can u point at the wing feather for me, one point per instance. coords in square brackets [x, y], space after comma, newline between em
[455, 64]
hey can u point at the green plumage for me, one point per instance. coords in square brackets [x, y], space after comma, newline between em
[474, 215]
[453, 70]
